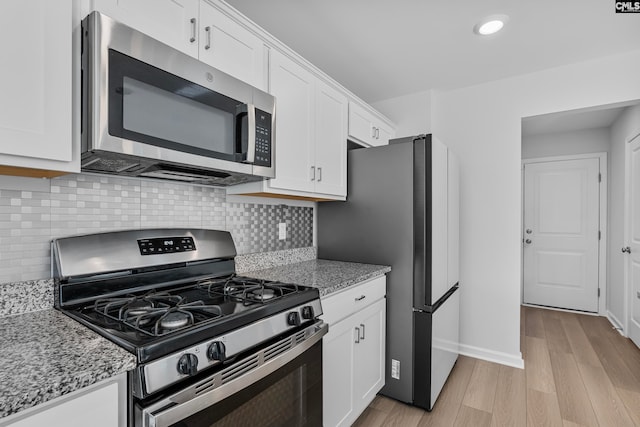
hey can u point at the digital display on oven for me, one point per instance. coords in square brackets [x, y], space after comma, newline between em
[166, 245]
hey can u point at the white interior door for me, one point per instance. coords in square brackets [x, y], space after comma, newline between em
[632, 234]
[561, 233]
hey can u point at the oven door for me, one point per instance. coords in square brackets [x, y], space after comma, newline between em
[280, 385]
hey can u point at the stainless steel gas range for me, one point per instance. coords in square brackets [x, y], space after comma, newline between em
[213, 348]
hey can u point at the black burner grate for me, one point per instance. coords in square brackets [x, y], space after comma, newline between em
[156, 313]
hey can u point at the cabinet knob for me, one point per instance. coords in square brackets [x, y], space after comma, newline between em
[626, 249]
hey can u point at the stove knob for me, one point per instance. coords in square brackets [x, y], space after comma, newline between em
[307, 312]
[217, 351]
[188, 364]
[293, 318]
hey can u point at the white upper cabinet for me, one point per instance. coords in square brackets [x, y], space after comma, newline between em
[36, 109]
[229, 47]
[294, 89]
[310, 136]
[366, 128]
[197, 28]
[330, 141]
[173, 22]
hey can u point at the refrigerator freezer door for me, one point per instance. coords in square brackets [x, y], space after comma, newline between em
[445, 343]
[436, 348]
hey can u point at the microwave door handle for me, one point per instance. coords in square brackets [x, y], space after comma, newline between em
[251, 133]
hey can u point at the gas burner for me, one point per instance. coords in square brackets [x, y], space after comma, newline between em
[261, 294]
[175, 320]
[138, 307]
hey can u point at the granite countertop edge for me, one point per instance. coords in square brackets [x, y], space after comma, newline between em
[327, 275]
[69, 361]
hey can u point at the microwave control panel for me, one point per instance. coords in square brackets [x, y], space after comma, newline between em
[263, 139]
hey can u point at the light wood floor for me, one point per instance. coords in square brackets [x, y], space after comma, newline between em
[579, 371]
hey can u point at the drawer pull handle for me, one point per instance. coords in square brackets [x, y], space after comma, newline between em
[361, 297]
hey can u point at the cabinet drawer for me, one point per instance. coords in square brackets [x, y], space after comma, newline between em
[339, 305]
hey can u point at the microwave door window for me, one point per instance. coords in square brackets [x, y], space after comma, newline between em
[151, 111]
[155, 107]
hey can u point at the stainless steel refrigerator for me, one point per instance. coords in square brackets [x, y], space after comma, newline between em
[402, 210]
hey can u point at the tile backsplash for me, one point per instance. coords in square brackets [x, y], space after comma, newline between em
[85, 203]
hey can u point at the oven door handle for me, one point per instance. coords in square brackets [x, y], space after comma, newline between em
[187, 402]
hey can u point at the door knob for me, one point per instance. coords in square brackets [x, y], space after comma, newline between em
[528, 241]
[626, 249]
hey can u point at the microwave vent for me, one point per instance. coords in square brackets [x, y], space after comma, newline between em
[98, 164]
[127, 165]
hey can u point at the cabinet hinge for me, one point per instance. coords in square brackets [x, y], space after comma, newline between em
[598, 292]
[599, 235]
[599, 177]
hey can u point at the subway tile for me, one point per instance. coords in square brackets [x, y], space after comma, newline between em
[88, 203]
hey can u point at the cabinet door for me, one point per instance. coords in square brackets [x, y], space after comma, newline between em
[293, 86]
[36, 84]
[173, 22]
[337, 374]
[97, 408]
[331, 141]
[383, 134]
[229, 47]
[369, 354]
[360, 126]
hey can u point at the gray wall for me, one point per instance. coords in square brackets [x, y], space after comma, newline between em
[32, 212]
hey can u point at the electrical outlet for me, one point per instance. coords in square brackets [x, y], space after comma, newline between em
[395, 369]
[282, 231]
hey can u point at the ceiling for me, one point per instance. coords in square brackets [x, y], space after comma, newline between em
[381, 49]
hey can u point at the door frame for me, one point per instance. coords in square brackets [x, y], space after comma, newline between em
[604, 237]
[628, 289]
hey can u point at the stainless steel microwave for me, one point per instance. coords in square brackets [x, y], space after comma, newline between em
[152, 111]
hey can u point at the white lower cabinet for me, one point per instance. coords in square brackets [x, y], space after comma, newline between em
[353, 351]
[101, 405]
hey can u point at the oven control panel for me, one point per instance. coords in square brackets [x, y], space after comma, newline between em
[160, 373]
[166, 245]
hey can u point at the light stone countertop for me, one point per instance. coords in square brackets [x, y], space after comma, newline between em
[326, 275]
[46, 354]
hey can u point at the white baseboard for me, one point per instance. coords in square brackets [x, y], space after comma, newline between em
[513, 360]
[616, 323]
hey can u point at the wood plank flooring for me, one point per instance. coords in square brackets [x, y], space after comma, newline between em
[579, 371]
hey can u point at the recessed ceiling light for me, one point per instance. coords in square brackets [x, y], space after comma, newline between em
[490, 25]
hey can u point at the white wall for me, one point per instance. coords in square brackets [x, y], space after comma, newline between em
[566, 143]
[482, 124]
[410, 113]
[622, 129]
